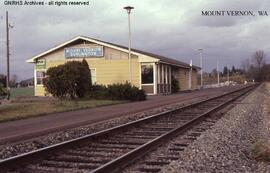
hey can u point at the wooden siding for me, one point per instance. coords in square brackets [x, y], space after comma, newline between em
[39, 90]
[112, 68]
[183, 78]
[194, 79]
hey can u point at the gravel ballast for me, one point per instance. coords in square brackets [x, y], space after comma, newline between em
[226, 147]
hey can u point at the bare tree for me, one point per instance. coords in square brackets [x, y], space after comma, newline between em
[214, 72]
[13, 80]
[259, 59]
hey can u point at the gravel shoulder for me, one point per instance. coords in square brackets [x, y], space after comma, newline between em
[226, 147]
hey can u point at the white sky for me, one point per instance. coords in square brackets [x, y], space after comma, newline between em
[172, 28]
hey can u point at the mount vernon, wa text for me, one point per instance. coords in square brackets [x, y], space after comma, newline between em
[234, 13]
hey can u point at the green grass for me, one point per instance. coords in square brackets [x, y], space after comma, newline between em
[21, 92]
[30, 108]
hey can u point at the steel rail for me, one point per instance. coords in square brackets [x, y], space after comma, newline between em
[120, 162]
[24, 158]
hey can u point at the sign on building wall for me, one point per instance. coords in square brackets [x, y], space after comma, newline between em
[40, 63]
[88, 52]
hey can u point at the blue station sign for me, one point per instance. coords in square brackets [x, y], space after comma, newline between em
[86, 52]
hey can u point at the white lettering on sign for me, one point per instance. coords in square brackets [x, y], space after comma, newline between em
[84, 52]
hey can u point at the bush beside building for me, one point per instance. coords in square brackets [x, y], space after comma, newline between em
[68, 80]
[73, 80]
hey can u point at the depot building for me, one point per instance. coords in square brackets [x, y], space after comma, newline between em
[109, 64]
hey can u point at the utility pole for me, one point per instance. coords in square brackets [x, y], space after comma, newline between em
[228, 74]
[7, 81]
[218, 71]
[190, 75]
[201, 65]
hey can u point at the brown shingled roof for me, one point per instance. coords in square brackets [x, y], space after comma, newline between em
[160, 57]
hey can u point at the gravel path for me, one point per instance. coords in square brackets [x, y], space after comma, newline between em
[226, 147]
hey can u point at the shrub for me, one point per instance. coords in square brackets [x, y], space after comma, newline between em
[175, 85]
[98, 92]
[117, 92]
[68, 80]
[125, 92]
[3, 91]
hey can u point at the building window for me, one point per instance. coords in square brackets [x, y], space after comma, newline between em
[147, 74]
[40, 75]
[93, 76]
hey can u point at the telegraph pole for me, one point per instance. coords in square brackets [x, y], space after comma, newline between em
[218, 71]
[201, 65]
[228, 75]
[7, 81]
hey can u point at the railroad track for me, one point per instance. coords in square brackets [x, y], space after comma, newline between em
[112, 149]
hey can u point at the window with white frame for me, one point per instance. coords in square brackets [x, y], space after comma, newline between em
[40, 75]
[147, 74]
[93, 75]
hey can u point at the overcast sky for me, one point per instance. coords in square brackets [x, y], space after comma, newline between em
[172, 28]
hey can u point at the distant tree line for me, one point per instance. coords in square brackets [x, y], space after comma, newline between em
[14, 81]
[225, 71]
[254, 68]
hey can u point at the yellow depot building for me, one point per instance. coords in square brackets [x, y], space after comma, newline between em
[109, 63]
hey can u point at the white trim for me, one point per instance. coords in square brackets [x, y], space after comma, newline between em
[162, 73]
[166, 74]
[148, 84]
[147, 63]
[91, 74]
[35, 78]
[140, 75]
[32, 60]
[158, 73]
[170, 78]
[155, 78]
[163, 62]
[35, 75]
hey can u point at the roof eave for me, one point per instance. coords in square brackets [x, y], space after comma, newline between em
[178, 65]
[32, 60]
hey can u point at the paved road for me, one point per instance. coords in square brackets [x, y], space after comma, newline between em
[31, 127]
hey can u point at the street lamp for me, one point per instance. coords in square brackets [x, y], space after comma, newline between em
[201, 50]
[129, 8]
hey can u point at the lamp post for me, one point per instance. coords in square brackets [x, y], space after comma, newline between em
[200, 50]
[129, 8]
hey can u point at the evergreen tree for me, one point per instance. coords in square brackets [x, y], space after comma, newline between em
[225, 71]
